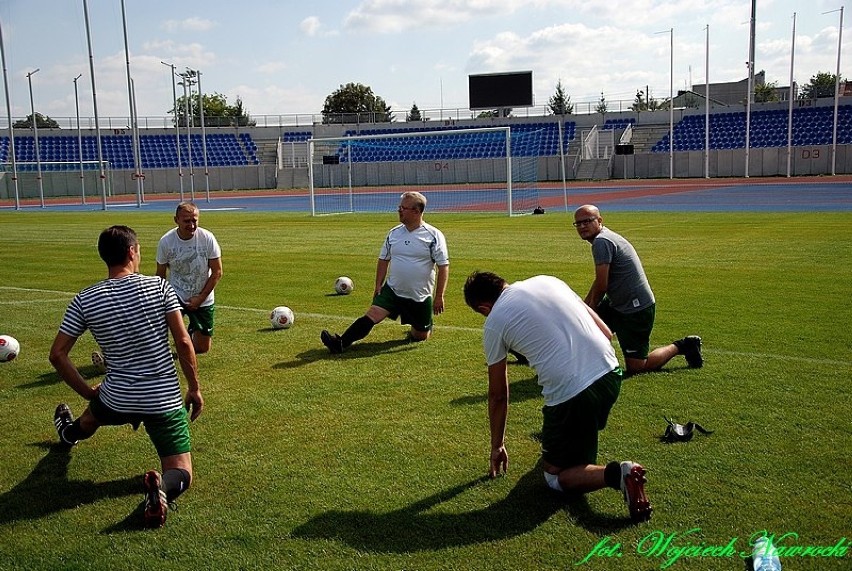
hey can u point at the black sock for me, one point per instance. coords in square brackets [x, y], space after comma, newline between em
[358, 330]
[612, 475]
[175, 482]
[73, 434]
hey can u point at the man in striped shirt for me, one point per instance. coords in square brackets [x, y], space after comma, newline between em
[130, 317]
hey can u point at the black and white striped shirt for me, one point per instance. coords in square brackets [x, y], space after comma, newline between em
[127, 318]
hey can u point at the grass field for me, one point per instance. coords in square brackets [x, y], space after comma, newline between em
[374, 459]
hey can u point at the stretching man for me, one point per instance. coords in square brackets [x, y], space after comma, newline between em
[622, 296]
[412, 250]
[130, 316]
[569, 347]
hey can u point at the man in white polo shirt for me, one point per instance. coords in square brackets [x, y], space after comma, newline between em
[407, 286]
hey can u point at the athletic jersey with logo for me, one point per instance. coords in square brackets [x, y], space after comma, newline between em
[127, 318]
[188, 261]
[413, 256]
[628, 289]
[547, 322]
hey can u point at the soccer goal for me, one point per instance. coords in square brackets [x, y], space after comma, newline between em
[54, 179]
[489, 169]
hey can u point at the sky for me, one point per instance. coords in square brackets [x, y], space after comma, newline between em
[285, 57]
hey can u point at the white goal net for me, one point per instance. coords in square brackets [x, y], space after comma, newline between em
[50, 179]
[458, 170]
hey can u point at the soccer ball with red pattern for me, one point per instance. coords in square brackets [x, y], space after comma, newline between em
[9, 348]
[281, 317]
[344, 285]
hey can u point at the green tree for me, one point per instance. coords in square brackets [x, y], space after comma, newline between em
[645, 103]
[560, 103]
[821, 85]
[217, 112]
[414, 114]
[765, 93]
[355, 103]
[42, 122]
[601, 106]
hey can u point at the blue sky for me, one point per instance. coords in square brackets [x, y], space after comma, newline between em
[285, 57]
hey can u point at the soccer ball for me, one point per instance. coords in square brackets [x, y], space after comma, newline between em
[9, 348]
[282, 317]
[344, 285]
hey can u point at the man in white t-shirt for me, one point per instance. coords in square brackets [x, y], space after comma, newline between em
[569, 347]
[414, 289]
[191, 258]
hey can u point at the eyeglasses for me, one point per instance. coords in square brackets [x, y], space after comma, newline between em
[584, 222]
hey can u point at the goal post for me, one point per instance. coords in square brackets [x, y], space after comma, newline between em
[56, 179]
[490, 169]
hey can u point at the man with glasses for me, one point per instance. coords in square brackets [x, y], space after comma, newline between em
[407, 286]
[622, 296]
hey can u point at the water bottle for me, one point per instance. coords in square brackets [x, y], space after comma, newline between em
[765, 556]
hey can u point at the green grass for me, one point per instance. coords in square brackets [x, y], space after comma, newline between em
[375, 459]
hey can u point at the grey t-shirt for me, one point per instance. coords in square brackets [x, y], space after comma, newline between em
[628, 289]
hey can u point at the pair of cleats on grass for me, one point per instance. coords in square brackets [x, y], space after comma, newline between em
[156, 503]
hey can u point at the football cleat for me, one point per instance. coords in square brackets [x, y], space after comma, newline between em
[633, 487]
[333, 342]
[62, 419]
[690, 348]
[156, 506]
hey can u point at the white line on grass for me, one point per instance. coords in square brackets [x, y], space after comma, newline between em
[473, 330]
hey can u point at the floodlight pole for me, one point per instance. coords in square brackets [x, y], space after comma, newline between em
[671, 103]
[187, 94]
[203, 138]
[707, 104]
[177, 128]
[836, 92]
[750, 94]
[95, 105]
[80, 142]
[11, 128]
[35, 136]
[137, 173]
[790, 101]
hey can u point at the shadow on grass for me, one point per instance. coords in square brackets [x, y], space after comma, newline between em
[52, 377]
[47, 490]
[520, 390]
[414, 528]
[358, 350]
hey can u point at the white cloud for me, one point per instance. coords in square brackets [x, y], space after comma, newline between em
[310, 26]
[189, 25]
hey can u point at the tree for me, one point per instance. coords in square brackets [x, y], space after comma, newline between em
[502, 112]
[601, 106]
[765, 93]
[645, 103]
[217, 112]
[42, 122]
[821, 85]
[355, 103]
[414, 114]
[559, 103]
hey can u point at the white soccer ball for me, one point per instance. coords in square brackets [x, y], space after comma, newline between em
[344, 285]
[282, 317]
[9, 348]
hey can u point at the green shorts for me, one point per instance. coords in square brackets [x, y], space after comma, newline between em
[168, 431]
[569, 433]
[633, 329]
[201, 320]
[416, 313]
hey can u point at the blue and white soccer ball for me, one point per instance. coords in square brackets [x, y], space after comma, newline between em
[344, 285]
[282, 317]
[9, 348]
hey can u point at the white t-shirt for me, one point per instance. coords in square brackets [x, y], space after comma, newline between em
[413, 256]
[188, 261]
[547, 322]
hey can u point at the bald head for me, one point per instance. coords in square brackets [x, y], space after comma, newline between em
[588, 221]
